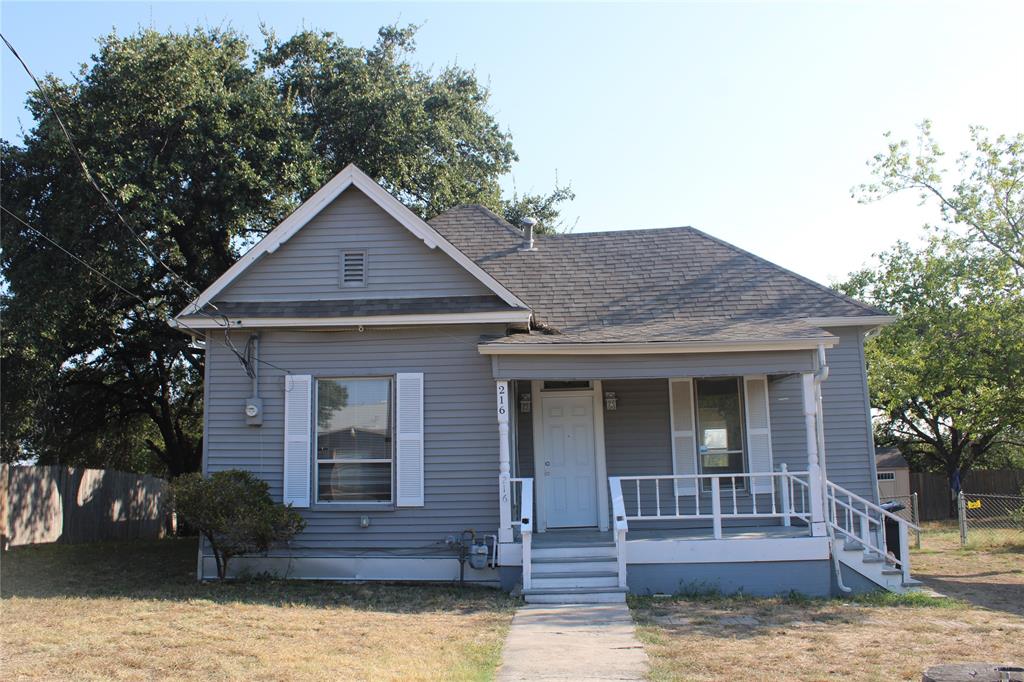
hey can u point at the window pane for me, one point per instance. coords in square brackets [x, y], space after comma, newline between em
[354, 482]
[720, 425]
[354, 419]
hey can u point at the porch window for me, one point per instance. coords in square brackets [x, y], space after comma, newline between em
[720, 442]
[354, 443]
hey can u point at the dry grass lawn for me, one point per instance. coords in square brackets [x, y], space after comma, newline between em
[876, 637]
[134, 611]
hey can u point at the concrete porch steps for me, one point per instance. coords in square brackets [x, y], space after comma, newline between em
[571, 570]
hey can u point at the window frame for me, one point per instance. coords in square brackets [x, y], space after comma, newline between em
[724, 483]
[886, 476]
[392, 400]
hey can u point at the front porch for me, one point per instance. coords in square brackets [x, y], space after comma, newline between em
[657, 522]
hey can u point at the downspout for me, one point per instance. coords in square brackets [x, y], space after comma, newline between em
[820, 375]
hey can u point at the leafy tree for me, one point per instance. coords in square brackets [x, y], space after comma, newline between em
[234, 512]
[948, 377]
[987, 198]
[202, 145]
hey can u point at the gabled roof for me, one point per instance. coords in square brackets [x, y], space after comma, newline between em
[890, 458]
[649, 286]
[351, 176]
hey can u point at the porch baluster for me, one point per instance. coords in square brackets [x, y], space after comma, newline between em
[657, 497]
[638, 512]
[716, 508]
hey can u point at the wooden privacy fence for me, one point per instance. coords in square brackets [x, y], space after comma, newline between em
[40, 504]
[934, 496]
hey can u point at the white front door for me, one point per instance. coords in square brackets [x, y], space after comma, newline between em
[567, 461]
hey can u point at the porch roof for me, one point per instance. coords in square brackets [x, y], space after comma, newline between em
[669, 335]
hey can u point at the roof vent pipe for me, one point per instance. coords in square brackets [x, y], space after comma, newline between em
[528, 225]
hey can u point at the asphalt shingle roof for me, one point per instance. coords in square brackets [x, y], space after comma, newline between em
[670, 284]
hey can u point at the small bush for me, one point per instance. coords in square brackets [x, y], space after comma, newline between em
[234, 512]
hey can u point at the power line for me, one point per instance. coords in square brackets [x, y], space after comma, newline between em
[244, 359]
[85, 169]
[91, 268]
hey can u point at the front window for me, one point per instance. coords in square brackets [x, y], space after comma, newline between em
[353, 440]
[720, 427]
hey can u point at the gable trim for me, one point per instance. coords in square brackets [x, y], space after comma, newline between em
[350, 176]
[493, 317]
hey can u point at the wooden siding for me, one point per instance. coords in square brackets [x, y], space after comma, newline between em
[398, 264]
[849, 442]
[460, 431]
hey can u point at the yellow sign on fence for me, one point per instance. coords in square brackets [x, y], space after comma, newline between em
[974, 504]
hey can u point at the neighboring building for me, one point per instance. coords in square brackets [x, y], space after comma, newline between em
[648, 410]
[893, 474]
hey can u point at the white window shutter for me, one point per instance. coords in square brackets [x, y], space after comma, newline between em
[298, 446]
[409, 450]
[759, 435]
[684, 435]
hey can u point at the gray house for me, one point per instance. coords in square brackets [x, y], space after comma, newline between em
[645, 411]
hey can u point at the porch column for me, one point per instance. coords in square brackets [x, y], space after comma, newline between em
[504, 469]
[817, 485]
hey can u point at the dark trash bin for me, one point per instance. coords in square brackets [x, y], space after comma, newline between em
[892, 528]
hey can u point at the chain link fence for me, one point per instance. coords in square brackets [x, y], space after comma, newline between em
[991, 519]
[910, 512]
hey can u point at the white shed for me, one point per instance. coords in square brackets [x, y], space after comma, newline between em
[893, 474]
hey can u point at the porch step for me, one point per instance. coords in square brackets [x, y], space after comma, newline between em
[575, 579]
[575, 564]
[588, 595]
[591, 552]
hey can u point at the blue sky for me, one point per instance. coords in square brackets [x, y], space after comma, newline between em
[748, 120]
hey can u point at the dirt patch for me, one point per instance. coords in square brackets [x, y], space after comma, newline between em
[884, 637]
[988, 576]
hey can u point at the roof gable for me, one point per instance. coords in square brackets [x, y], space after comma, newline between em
[351, 176]
[352, 250]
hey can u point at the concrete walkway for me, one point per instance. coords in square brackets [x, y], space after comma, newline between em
[572, 642]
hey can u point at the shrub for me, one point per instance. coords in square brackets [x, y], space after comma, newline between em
[234, 512]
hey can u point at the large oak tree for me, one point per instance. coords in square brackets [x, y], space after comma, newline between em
[202, 144]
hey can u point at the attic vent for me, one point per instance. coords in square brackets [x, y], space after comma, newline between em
[353, 268]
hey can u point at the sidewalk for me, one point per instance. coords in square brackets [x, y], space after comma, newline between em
[572, 642]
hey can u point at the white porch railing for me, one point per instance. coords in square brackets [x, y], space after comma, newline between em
[862, 521]
[525, 523]
[652, 498]
[620, 526]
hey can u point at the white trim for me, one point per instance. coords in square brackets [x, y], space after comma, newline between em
[653, 347]
[745, 550]
[350, 176]
[500, 316]
[600, 461]
[539, 501]
[863, 321]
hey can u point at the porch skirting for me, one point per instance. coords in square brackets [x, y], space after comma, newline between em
[763, 579]
[352, 568]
